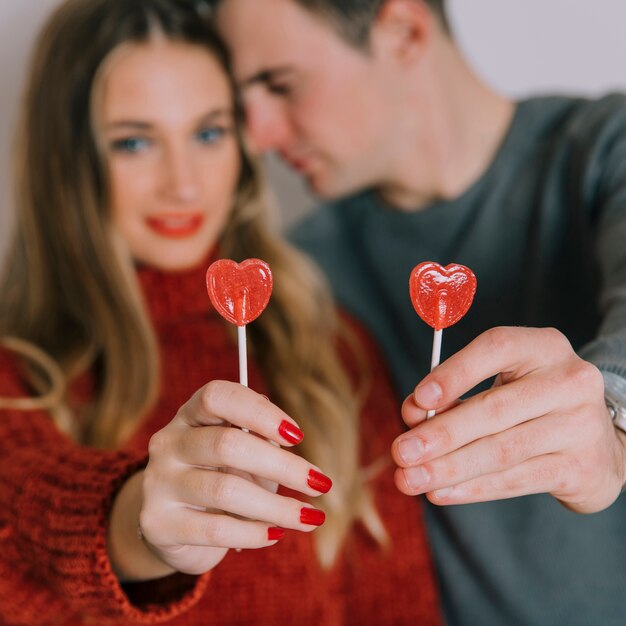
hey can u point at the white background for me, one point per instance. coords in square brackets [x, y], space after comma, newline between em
[519, 46]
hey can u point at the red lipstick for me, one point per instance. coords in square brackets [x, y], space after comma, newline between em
[175, 225]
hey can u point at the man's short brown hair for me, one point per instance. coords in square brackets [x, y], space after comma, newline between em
[353, 19]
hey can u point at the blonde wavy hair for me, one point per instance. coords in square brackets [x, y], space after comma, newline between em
[69, 299]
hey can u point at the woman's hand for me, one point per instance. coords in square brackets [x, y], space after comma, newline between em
[209, 487]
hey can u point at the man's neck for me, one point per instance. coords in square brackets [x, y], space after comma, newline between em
[459, 125]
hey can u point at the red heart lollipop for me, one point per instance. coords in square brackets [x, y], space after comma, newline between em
[441, 295]
[239, 291]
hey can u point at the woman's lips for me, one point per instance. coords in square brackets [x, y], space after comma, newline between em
[176, 225]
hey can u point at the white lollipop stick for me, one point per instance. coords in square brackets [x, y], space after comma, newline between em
[243, 355]
[242, 345]
[243, 359]
[435, 360]
[243, 364]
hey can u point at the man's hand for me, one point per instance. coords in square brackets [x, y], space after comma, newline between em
[542, 428]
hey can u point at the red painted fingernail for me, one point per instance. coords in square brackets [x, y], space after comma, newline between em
[313, 517]
[319, 482]
[290, 432]
[275, 533]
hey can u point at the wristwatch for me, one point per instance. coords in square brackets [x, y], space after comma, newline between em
[615, 398]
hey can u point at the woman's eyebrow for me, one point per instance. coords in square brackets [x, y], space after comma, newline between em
[217, 113]
[147, 125]
[134, 124]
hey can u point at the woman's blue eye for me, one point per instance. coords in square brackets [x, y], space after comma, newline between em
[211, 135]
[130, 144]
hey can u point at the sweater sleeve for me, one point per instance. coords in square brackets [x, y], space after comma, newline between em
[605, 195]
[55, 500]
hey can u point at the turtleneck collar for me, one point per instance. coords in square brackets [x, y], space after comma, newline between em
[171, 296]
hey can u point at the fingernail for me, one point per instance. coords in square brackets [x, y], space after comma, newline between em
[416, 478]
[313, 517]
[319, 482]
[444, 493]
[411, 450]
[428, 395]
[275, 533]
[290, 432]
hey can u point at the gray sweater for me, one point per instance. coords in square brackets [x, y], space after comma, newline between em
[544, 230]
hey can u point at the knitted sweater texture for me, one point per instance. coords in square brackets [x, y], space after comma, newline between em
[56, 496]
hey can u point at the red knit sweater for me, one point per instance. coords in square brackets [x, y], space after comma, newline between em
[55, 499]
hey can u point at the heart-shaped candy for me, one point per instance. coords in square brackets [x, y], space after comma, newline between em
[441, 295]
[239, 291]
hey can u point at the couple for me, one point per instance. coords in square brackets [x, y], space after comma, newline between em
[133, 175]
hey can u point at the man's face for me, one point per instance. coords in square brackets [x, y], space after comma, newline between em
[324, 106]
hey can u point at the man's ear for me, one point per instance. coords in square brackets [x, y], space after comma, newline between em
[404, 29]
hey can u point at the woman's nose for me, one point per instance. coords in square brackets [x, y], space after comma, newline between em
[180, 175]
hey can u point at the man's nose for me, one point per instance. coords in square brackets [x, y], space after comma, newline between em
[267, 124]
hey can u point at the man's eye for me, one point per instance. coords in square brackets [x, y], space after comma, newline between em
[279, 89]
[211, 135]
[130, 144]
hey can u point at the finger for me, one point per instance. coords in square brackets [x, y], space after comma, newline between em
[238, 496]
[413, 415]
[497, 453]
[188, 527]
[219, 446]
[490, 412]
[537, 475]
[231, 402]
[514, 352]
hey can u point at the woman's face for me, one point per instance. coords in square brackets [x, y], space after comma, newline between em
[166, 119]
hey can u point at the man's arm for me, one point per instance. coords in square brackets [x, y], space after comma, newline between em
[544, 425]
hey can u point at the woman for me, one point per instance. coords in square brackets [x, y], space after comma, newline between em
[124, 485]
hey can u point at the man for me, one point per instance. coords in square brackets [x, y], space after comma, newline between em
[373, 103]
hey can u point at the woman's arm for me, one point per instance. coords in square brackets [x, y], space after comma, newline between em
[131, 557]
[69, 518]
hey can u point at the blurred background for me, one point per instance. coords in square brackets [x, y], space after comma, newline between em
[521, 48]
